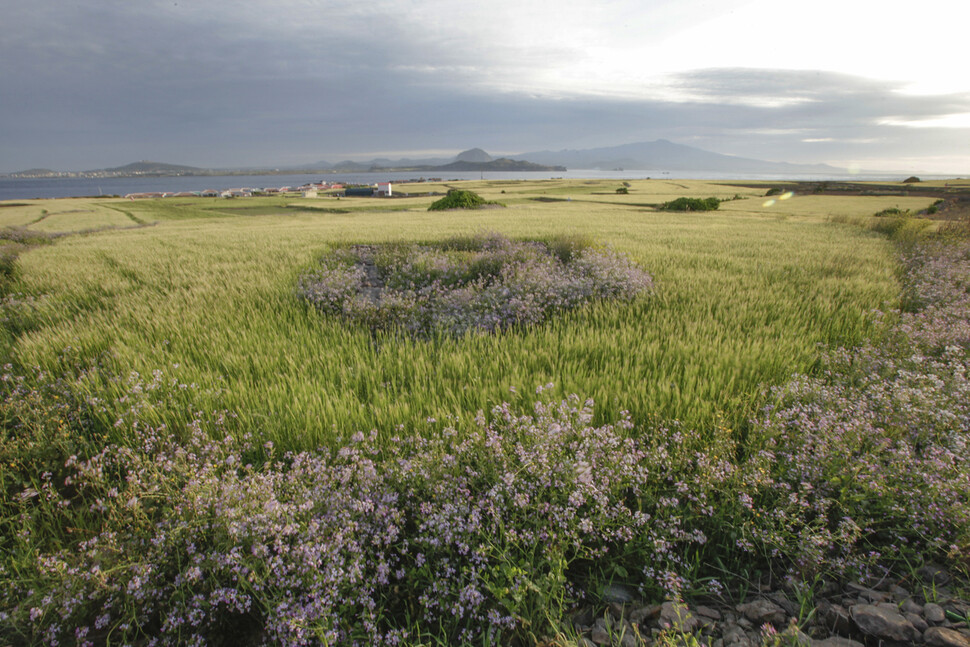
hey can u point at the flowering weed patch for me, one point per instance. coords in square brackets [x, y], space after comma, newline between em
[490, 530]
[483, 283]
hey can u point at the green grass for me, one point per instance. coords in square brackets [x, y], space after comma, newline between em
[743, 298]
[67, 215]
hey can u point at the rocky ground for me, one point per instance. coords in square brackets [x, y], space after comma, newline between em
[889, 613]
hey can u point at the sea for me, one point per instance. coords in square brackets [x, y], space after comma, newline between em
[63, 187]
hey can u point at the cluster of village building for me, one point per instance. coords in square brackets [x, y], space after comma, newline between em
[312, 190]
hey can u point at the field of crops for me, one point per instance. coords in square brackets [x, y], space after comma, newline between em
[743, 296]
[193, 452]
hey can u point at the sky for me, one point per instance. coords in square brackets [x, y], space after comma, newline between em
[865, 84]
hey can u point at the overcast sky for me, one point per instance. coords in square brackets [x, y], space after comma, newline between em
[99, 83]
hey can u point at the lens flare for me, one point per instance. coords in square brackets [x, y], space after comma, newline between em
[768, 203]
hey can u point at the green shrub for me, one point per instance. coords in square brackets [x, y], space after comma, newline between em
[899, 226]
[459, 199]
[891, 211]
[692, 204]
[623, 190]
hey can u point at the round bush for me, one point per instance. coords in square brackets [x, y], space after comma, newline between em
[484, 283]
[459, 199]
[692, 204]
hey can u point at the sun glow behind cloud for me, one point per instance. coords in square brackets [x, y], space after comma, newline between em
[629, 48]
[303, 79]
[946, 121]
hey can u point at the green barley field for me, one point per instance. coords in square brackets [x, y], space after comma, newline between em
[203, 291]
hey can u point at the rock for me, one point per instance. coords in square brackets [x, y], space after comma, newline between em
[763, 611]
[642, 614]
[735, 635]
[793, 637]
[934, 613]
[675, 615]
[835, 618]
[586, 642]
[958, 607]
[883, 623]
[779, 598]
[707, 612]
[866, 594]
[900, 593]
[836, 641]
[617, 610]
[628, 639]
[600, 634]
[941, 637]
[934, 574]
[908, 606]
[917, 621]
[707, 625]
[617, 593]
[583, 617]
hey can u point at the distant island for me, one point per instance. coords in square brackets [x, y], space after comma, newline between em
[659, 156]
[500, 164]
[467, 161]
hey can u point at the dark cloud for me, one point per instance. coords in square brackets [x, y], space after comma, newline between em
[92, 86]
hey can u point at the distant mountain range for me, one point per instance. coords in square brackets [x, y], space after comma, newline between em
[667, 156]
[659, 155]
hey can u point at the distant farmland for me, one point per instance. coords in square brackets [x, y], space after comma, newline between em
[237, 459]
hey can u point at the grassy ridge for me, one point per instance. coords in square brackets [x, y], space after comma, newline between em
[743, 298]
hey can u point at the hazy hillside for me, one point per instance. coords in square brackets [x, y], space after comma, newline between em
[666, 155]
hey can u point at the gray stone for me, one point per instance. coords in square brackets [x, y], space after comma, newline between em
[735, 636]
[900, 593]
[958, 607]
[643, 614]
[600, 634]
[917, 621]
[763, 611]
[837, 641]
[629, 639]
[793, 637]
[707, 625]
[779, 598]
[586, 642]
[617, 610]
[707, 612]
[934, 613]
[584, 617]
[883, 623]
[933, 574]
[908, 606]
[617, 593]
[676, 615]
[866, 594]
[835, 618]
[942, 637]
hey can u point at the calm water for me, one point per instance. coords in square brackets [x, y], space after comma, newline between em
[24, 189]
